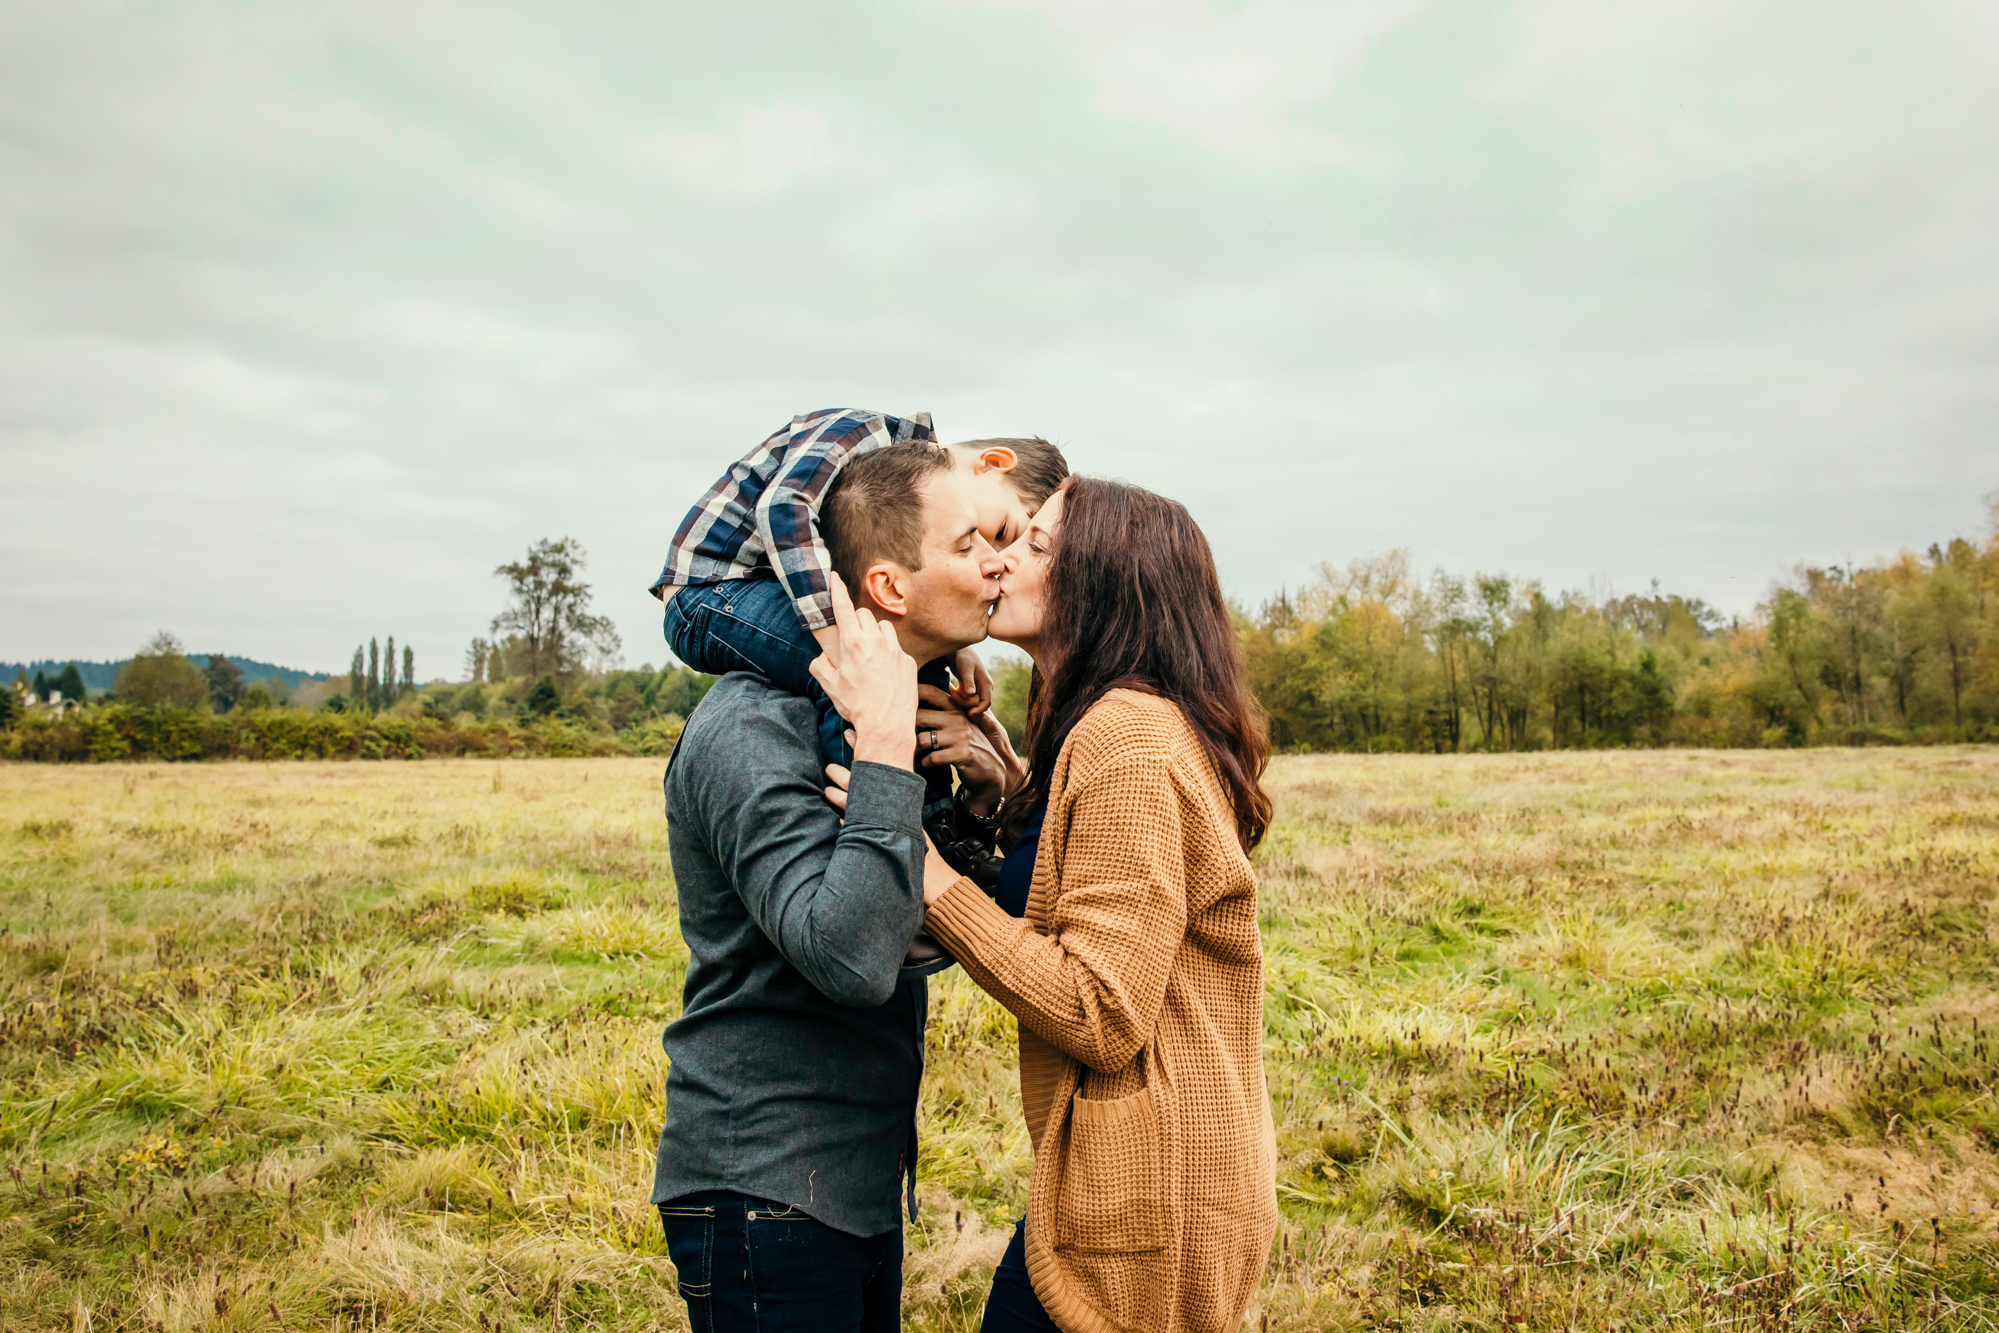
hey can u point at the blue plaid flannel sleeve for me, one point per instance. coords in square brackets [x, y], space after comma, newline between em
[788, 509]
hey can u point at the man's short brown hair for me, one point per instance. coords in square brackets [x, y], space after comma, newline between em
[1038, 467]
[874, 510]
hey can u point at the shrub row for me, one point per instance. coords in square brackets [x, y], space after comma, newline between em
[112, 732]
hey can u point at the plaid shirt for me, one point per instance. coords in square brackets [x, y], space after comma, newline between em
[764, 512]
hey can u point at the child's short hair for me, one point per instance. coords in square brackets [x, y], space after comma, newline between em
[1037, 470]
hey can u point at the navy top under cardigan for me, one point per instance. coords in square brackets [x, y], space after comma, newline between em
[1017, 872]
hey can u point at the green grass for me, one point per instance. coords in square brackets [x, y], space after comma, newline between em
[1644, 1040]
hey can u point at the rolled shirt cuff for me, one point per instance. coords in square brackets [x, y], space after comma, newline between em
[885, 797]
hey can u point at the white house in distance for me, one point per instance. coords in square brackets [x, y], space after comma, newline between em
[55, 703]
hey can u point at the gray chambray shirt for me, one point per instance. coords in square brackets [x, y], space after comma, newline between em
[797, 1055]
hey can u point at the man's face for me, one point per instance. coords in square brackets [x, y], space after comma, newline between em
[950, 597]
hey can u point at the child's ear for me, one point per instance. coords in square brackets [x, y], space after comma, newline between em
[998, 458]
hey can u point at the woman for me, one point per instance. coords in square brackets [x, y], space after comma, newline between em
[1133, 964]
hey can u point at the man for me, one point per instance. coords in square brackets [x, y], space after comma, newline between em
[791, 1094]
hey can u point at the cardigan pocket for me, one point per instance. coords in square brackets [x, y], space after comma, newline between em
[1110, 1202]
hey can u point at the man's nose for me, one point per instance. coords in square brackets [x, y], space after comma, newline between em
[991, 563]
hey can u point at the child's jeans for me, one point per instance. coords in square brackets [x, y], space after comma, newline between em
[751, 625]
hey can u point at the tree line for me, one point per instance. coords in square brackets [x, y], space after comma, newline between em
[159, 674]
[1368, 657]
[547, 682]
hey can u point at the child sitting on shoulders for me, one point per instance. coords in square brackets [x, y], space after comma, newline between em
[747, 579]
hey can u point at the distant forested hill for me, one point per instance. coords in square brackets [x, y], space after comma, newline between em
[99, 675]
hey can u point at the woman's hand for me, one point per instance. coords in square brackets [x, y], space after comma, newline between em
[980, 751]
[874, 687]
[944, 735]
[938, 876]
[838, 778]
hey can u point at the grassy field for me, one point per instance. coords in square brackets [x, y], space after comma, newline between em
[1606, 1041]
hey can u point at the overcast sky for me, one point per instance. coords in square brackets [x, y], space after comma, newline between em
[312, 314]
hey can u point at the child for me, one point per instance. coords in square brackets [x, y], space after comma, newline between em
[746, 582]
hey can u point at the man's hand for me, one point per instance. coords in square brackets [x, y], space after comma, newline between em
[972, 686]
[873, 687]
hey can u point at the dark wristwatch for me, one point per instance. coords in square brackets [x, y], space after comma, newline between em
[986, 826]
[965, 841]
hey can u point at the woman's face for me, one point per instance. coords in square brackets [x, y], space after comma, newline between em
[1016, 619]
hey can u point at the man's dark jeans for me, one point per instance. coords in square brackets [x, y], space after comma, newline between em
[751, 1264]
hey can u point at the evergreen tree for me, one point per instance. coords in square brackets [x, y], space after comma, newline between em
[10, 708]
[69, 684]
[374, 699]
[356, 679]
[409, 668]
[41, 688]
[389, 691]
[475, 662]
[225, 682]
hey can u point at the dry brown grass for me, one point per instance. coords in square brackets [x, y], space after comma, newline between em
[1594, 1041]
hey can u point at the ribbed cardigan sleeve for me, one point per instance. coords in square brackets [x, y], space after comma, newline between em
[1093, 985]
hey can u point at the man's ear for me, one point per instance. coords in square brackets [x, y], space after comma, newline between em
[998, 458]
[885, 587]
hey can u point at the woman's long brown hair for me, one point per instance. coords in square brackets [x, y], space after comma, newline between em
[1133, 602]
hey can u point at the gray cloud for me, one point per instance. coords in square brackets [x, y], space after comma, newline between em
[311, 315]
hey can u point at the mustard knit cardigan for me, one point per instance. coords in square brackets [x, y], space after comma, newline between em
[1137, 979]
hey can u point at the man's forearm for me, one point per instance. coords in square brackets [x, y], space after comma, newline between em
[845, 923]
[870, 905]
